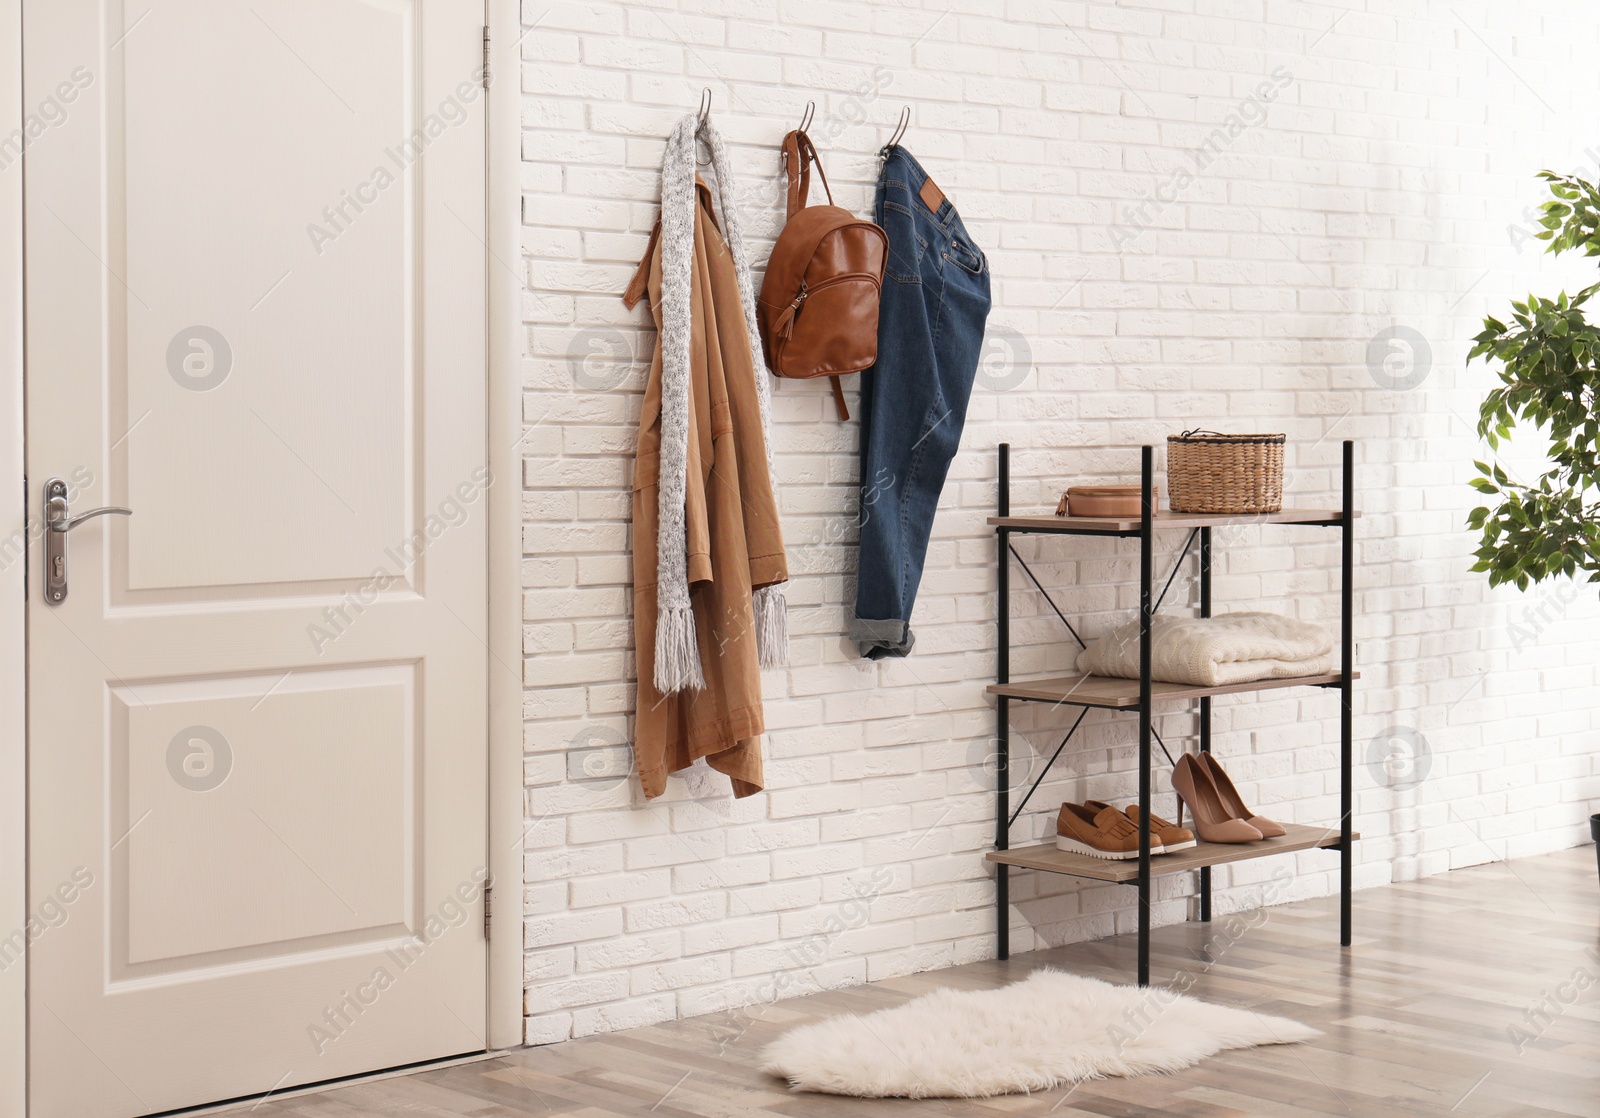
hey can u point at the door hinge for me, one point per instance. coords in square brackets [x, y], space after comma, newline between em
[488, 909]
[486, 56]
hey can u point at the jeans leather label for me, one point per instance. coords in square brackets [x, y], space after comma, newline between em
[931, 195]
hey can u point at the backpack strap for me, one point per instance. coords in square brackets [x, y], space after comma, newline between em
[640, 284]
[799, 153]
[838, 398]
[799, 174]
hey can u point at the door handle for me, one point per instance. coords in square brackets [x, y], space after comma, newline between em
[58, 523]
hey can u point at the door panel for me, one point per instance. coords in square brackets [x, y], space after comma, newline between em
[305, 312]
[256, 730]
[202, 798]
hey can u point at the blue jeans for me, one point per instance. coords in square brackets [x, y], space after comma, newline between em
[914, 400]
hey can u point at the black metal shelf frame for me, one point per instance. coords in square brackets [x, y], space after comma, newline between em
[1149, 603]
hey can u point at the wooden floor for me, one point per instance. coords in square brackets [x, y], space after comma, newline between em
[1416, 1017]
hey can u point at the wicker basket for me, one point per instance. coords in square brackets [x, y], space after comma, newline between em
[1225, 474]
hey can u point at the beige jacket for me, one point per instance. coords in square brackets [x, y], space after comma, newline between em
[735, 543]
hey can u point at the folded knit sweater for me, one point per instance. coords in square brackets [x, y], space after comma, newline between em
[1210, 651]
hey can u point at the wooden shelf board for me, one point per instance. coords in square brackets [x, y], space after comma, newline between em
[1123, 694]
[1119, 525]
[1046, 857]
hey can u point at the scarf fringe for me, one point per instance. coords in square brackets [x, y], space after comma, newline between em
[772, 626]
[677, 652]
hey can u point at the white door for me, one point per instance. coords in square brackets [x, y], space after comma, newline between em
[255, 317]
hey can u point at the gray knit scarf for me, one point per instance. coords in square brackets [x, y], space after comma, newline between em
[677, 652]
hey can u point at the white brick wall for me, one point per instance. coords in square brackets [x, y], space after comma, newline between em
[1380, 189]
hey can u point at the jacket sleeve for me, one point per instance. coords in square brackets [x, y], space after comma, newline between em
[763, 532]
[697, 519]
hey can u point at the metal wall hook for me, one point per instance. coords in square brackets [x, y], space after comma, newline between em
[899, 131]
[705, 115]
[805, 122]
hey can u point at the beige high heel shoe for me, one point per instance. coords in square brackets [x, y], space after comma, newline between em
[1234, 803]
[1211, 820]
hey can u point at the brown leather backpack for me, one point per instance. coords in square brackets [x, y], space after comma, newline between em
[818, 310]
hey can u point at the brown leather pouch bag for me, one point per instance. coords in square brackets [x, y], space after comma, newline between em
[818, 310]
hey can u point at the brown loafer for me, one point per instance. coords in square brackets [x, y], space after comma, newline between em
[1171, 836]
[1102, 833]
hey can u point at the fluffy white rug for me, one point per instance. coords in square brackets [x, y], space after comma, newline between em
[1049, 1029]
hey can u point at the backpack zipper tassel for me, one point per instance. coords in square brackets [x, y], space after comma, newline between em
[785, 323]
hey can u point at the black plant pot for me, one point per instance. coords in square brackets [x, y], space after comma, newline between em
[1594, 833]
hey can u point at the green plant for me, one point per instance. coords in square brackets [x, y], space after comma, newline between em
[1549, 366]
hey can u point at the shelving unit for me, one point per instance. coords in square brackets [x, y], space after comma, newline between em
[1142, 695]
